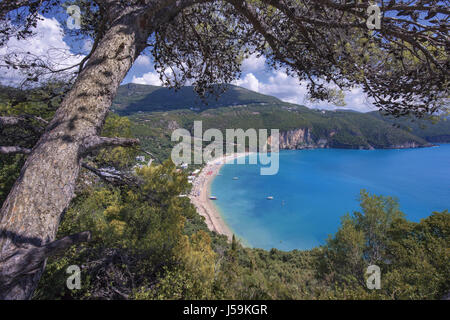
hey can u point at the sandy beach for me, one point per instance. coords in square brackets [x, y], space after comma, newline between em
[200, 194]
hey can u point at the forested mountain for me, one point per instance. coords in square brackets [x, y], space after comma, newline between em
[157, 111]
[432, 131]
[132, 98]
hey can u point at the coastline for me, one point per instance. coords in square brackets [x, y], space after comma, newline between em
[201, 192]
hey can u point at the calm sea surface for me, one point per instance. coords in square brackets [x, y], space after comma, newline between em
[314, 188]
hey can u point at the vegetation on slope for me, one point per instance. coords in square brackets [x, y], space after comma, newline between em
[132, 98]
[435, 130]
[149, 243]
[341, 129]
[26, 135]
[157, 111]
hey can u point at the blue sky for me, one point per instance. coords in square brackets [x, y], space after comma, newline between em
[51, 44]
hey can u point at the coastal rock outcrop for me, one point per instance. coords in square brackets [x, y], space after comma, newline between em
[409, 144]
[304, 138]
[300, 139]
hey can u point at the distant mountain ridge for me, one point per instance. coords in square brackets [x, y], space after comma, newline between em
[132, 98]
[157, 111]
[438, 132]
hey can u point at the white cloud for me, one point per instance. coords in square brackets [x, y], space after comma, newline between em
[289, 89]
[249, 81]
[253, 63]
[357, 100]
[276, 83]
[87, 45]
[151, 78]
[47, 44]
[284, 87]
[143, 60]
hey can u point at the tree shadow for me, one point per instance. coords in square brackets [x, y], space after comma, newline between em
[20, 239]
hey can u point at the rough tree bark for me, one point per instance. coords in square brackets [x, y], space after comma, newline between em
[30, 216]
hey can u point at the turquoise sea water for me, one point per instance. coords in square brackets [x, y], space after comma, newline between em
[314, 188]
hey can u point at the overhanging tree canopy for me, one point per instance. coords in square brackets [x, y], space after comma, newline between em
[403, 67]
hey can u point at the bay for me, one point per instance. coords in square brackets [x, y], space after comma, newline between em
[315, 188]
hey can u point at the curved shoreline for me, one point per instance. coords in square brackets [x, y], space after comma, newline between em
[201, 192]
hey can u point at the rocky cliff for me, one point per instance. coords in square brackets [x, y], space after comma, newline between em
[300, 139]
[303, 138]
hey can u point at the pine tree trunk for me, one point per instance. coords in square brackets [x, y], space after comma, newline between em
[30, 216]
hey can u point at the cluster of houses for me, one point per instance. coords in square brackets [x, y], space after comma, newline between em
[142, 162]
[193, 175]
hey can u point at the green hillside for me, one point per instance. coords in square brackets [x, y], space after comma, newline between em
[340, 129]
[132, 98]
[148, 242]
[432, 131]
[157, 111]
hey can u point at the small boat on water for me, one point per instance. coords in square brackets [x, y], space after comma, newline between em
[212, 198]
[235, 178]
[269, 198]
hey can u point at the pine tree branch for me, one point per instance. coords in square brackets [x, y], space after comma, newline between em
[114, 177]
[10, 121]
[25, 260]
[95, 142]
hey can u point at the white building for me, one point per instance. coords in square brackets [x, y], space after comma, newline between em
[184, 166]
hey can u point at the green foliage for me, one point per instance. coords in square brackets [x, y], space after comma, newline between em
[118, 157]
[10, 165]
[193, 278]
[156, 111]
[26, 135]
[9, 172]
[413, 257]
[434, 129]
[149, 243]
[420, 254]
[135, 232]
